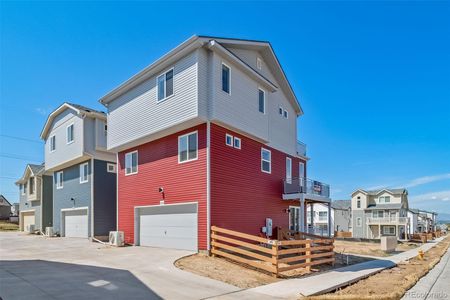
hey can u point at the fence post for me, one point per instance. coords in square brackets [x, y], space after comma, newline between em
[212, 242]
[275, 256]
[308, 252]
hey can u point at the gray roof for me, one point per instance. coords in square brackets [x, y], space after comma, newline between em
[385, 206]
[4, 201]
[414, 210]
[393, 191]
[37, 169]
[84, 108]
[341, 204]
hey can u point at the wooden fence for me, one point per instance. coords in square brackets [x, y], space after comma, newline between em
[274, 256]
[342, 234]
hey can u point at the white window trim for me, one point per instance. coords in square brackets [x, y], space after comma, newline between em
[227, 135]
[165, 85]
[67, 134]
[229, 78]
[52, 137]
[240, 142]
[137, 163]
[111, 165]
[269, 161]
[301, 166]
[179, 138]
[61, 185]
[34, 187]
[360, 222]
[285, 112]
[82, 172]
[259, 63]
[288, 178]
[264, 92]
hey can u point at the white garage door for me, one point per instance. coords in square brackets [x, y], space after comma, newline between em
[170, 226]
[28, 219]
[76, 223]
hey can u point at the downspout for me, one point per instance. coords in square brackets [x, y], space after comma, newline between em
[208, 184]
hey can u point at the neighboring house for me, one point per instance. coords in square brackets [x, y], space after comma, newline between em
[426, 221]
[36, 200]
[84, 172]
[380, 212]
[207, 135]
[5, 208]
[413, 223]
[15, 209]
[340, 217]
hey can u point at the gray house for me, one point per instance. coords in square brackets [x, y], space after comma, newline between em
[380, 212]
[36, 201]
[5, 208]
[84, 172]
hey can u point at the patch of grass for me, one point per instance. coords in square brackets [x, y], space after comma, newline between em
[8, 226]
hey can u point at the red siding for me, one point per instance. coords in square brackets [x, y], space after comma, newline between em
[242, 196]
[158, 167]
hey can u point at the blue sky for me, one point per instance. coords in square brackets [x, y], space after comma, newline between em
[372, 77]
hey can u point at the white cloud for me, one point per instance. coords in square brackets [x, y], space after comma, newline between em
[426, 179]
[440, 196]
[42, 111]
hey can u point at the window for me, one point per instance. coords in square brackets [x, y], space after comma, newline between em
[259, 63]
[389, 230]
[266, 161]
[165, 85]
[237, 143]
[31, 185]
[70, 134]
[285, 114]
[23, 189]
[110, 168]
[323, 215]
[358, 203]
[301, 170]
[358, 222]
[52, 143]
[84, 171]
[385, 199]
[378, 214]
[261, 101]
[288, 170]
[187, 147]
[280, 111]
[105, 129]
[229, 140]
[131, 163]
[59, 180]
[226, 74]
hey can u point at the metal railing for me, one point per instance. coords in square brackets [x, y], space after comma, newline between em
[387, 220]
[306, 186]
[301, 148]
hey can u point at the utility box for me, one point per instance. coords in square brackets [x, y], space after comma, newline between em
[388, 243]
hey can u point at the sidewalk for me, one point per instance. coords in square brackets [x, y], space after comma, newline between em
[328, 281]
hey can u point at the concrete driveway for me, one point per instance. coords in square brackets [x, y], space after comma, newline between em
[34, 267]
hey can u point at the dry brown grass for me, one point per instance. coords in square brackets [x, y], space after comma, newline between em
[391, 283]
[365, 248]
[8, 226]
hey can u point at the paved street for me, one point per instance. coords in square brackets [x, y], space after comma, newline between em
[34, 267]
[435, 285]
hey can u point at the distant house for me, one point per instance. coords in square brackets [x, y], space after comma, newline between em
[15, 209]
[413, 216]
[340, 217]
[5, 208]
[380, 212]
[426, 221]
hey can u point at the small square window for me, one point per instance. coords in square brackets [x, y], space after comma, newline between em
[285, 114]
[237, 143]
[280, 111]
[111, 168]
[229, 140]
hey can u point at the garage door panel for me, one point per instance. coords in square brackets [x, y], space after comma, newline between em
[76, 223]
[174, 243]
[28, 219]
[175, 220]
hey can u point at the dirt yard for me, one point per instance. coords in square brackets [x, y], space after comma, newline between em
[372, 249]
[391, 283]
[8, 226]
[225, 270]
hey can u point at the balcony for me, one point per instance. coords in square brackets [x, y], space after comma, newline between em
[310, 189]
[388, 220]
[301, 148]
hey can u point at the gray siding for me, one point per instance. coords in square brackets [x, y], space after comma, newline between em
[25, 205]
[47, 202]
[359, 231]
[342, 220]
[104, 199]
[137, 113]
[72, 188]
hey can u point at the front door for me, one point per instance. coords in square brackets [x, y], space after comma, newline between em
[293, 218]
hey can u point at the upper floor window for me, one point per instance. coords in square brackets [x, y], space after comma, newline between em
[285, 114]
[323, 215]
[378, 214]
[131, 163]
[31, 185]
[280, 111]
[70, 134]
[259, 63]
[262, 101]
[226, 76]
[52, 143]
[187, 147]
[358, 222]
[288, 170]
[165, 85]
[358, 204]
[266, 161]
[22, 189]
[229, 140]
[301, 169]
[59, 179]
[84, 171]
[384, 199]
[237, 143]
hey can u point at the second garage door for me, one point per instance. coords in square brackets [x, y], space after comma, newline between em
[169, 226]
[76, 223]
[28, 219]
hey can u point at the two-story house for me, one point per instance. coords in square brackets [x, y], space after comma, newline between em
[380, 212]
[84, 172]
[36, 199]
[426, 221]
[205, 136]
[318, 221]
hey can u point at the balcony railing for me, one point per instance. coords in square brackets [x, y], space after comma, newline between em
[387, 220]
[301, 148]
[306, 186]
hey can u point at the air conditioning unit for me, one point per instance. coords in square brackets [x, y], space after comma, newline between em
[49, 231]
[30, 228]
[116, 238]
